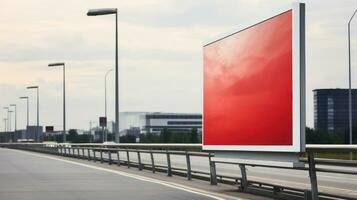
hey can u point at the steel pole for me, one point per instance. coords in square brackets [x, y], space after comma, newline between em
[15, 118]
[28, 118]
[105, 100]
[116, 82]
[5, 127]
[38, 115]
[9, 119]
[349, 83]
[64, 104]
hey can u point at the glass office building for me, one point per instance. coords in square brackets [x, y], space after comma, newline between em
[331, 109]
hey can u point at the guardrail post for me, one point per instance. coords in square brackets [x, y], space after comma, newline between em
[101, 156]
[188, 162]
[128, 158]
[140, 167]
[60, 152]
[88, 152]
[78, 155]
[118, 157]
[212, 167]
[152, 161]
[169, 171]
[110, 157]
[73, 153]
[83, 156]
[244, 182]
[94, 155]
[313, 178]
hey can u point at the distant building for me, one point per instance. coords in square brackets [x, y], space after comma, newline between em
[331, 109]
[32, 132]
[136, 123]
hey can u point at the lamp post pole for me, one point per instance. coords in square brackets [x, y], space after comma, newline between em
[64, 97]
[105, 100]
[38, 137]
[349, 82]
[28, 118]
[10, 135]
[5, 125]
[15, 111]
[107, 11]
[8, 119]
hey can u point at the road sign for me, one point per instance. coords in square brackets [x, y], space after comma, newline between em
[254, 86]
[103, 121]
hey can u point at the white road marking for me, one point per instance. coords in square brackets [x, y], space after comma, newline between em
[142, 178]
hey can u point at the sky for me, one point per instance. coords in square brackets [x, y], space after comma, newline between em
[160, 53]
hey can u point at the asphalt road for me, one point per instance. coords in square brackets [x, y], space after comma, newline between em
[27, 177]
[341, 184]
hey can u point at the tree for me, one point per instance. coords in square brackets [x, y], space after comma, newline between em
[194, 136]
[128, 138]
[165, 135]
[72, 135]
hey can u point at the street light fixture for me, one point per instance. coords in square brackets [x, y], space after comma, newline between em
[8, 118]
[5, 123]
[108, 11]
[38, 115]
[14, 105]
[27, 123]
[10, 135]
[64, 96]
[349, 81]
[105, 100]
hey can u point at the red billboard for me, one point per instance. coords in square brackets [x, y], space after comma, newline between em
[254, 86]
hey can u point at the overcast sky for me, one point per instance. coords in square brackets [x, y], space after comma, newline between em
[160, 52]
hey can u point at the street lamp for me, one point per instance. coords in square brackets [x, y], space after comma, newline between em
[38, 115]
[5, 123]
[64, 97]
[105, 100]
[15, 111]
[27, 124]
[108, 11]
[8, 119]
[105, 96]
[10, 135]
[349, 81]
[105, 91]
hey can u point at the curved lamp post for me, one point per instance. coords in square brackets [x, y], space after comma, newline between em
[349, 81]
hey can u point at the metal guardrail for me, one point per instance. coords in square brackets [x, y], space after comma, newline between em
[90, 152]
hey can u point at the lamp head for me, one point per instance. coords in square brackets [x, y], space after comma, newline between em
[101, 11]
[56, 64]
[32, 87]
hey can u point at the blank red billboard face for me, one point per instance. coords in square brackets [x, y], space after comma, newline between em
[249, 88]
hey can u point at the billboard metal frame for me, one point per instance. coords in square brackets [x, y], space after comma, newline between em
[298, 73]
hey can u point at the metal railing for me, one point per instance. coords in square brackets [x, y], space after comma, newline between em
[110, 153]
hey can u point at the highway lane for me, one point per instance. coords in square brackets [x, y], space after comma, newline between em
[341, 184]
[28, 177]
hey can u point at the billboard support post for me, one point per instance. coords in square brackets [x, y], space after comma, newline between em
[313, 177]
[244, 181]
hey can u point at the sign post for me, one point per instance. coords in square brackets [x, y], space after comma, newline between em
[103, 124]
